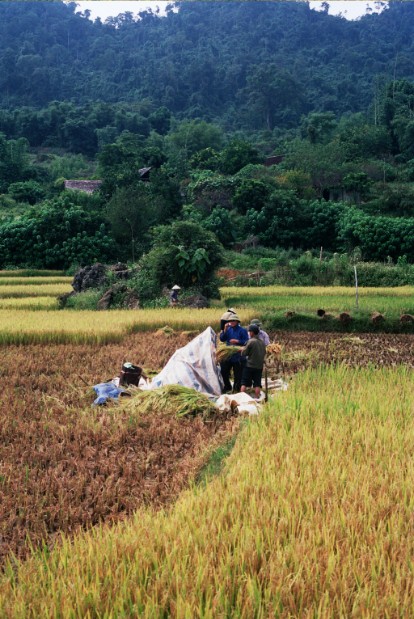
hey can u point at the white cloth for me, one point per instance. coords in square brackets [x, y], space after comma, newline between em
[194, 366]
[243, 402]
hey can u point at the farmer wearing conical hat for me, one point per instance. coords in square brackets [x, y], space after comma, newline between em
[226, 317]
[174, 295]
[233, 335]
[262, 334]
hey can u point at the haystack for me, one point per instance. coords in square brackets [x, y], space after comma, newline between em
[345, 318]
[274, 350]
[406, 319]
[377, 318]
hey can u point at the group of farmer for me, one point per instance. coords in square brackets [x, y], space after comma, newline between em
[247, 363]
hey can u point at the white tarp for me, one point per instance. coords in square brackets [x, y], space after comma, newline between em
[194, 366]
[243, 402]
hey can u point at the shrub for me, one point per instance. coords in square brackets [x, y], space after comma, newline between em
[183, 253]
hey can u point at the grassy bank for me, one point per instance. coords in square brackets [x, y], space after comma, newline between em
[283, 307]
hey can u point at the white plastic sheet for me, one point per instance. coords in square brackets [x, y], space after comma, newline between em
[243, 402]
[194, 366]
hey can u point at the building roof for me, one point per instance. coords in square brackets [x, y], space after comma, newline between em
[274, 160]
[86, 186]
[144, 172]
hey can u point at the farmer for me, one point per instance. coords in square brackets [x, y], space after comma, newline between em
[174, 295]
[233, 335]
[255, 352]
[262, 334]
[226, 317]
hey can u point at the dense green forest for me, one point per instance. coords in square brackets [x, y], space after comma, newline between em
[203, 97]
[245, 64]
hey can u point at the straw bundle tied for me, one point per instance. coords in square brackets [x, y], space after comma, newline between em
[173, 399]
[164, 331]
[274, 350]
[224, 352]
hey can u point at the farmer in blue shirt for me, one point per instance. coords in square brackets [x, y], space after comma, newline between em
[233, 335]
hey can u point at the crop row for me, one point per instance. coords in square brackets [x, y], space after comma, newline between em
[34, 281]
[34, 290]
[29, 303]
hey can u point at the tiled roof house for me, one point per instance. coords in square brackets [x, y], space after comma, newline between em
[86, 186]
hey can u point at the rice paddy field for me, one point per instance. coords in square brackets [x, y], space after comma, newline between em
[394, 301]
[118, 511]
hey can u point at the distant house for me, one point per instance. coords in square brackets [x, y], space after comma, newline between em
[273, 160]
[144, 173]
[85, 186]
[91, 186]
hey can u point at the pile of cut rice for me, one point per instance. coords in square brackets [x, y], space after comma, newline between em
[172, 400]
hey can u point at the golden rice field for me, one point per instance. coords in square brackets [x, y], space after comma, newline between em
[31, 303]
[36, 281]
[33, 290]
[311, 517]
[50, 324]
[59, 326]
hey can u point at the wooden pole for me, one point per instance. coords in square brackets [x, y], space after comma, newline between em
[356, 286]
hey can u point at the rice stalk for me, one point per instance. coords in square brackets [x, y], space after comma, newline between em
[224, 352]
[172, 399]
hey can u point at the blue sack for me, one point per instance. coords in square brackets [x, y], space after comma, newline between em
[105, 391]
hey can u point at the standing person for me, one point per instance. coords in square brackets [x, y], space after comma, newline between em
[233, 335]
[174, 295]
[255, 352]
[262, 334]
[226, 317]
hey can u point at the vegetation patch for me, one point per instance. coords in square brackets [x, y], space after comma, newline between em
[216, 462]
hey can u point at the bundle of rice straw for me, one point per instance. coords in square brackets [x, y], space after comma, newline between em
[224, 352]
[167, 331]
[173, 399]
[274, 350]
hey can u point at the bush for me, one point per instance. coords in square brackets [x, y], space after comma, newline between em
[54, 237]
[291, 269]
[88, 300]
[183, 253]
[29, 192]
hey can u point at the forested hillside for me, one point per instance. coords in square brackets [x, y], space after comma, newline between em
[195, 103]
[247, 64]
